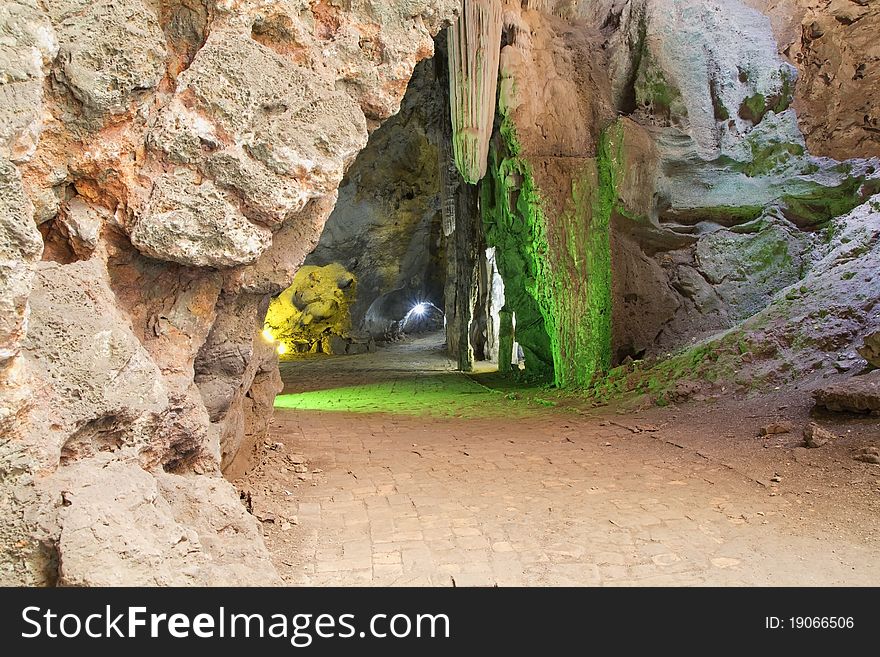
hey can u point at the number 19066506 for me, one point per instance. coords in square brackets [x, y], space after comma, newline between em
[809, 622]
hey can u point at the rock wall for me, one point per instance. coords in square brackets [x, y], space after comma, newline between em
[723, 205]
[678, 221]
[543, 207]
[173, 162]
[833, 44]
[167, 165]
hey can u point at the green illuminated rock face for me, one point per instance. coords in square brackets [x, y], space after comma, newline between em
[515, 225]
[556, 260]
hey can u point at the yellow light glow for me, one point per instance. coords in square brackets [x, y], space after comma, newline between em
[281, 349]
[267, 334]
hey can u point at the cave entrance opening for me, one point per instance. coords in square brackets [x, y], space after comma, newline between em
[401, 280]
[379, 270]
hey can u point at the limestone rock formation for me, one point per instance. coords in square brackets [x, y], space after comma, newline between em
[474, 49]
[657, 176]
[108, 69]
[706, 195]
[118, 525]
[31, 45]
[20, 245]
[833, 44]
[193, 224]
[276, 134]
[180, 160]
[80, 224]
[385, 228]
[797, 338]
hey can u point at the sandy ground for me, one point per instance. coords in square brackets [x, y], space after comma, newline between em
[452, 483]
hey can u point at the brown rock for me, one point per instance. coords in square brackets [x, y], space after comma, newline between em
[870, 350]
[868, 455]
[815, 436]
[837, 91]
[778, 427]
[860, 394]
[683, 391]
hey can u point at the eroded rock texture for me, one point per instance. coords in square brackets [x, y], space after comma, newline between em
[833, 43]
[173, 161]
[693, 211]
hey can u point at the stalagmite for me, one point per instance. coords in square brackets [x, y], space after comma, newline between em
[474, 52]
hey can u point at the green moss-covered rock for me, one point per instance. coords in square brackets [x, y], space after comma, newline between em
[770, 156]
[655, 94]
[556, 260]
[753, 108]
[815, 208]
[515, 226]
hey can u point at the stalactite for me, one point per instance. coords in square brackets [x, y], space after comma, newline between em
[474, 53]
[449, 177]
[448, 188]
[554, 7]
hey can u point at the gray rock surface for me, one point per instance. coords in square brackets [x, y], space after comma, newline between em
[194, 224]
[815, 436]
[276, 133]
[870, 349]
[114, 524]
[20, 247]
[111, 53]
[29, 45]
[83, 346]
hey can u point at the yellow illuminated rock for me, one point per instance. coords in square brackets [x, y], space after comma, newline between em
[313, 314]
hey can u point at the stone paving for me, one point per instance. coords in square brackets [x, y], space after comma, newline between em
[531, 498]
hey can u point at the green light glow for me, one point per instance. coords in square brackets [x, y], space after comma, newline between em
[556, 270]
[441, 395]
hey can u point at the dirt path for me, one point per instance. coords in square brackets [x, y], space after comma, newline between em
[453, 483]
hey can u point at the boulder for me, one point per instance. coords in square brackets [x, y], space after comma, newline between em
[815, 436]
[870, 349]
[859, 394]
[82, 223]
[194, 224]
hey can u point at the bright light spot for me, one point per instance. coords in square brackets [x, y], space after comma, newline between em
[267, 335]
[420, 309]
[281, 349]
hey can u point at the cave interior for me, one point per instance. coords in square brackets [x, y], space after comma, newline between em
[287, 284]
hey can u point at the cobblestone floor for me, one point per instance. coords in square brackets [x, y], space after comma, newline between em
[484, 490]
